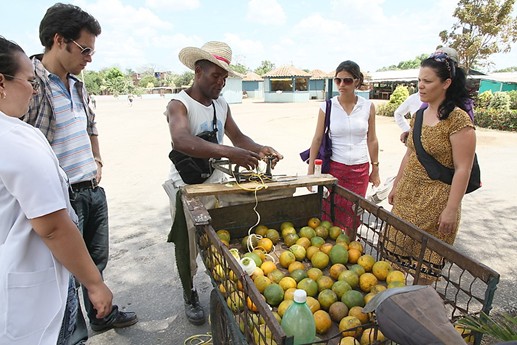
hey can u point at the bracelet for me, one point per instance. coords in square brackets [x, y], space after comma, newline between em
[98, 160]
[375, 163]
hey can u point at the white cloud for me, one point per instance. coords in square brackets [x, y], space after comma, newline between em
[265, 12]
[173, 4]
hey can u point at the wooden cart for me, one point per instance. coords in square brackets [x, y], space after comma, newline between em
[465, 285]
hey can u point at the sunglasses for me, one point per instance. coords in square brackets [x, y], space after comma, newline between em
[34, 83]
[84, 50]
[346, 81]
[443, 57]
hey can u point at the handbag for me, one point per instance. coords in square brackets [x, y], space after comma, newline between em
[435, 169]
[191, 169]
[325, 150]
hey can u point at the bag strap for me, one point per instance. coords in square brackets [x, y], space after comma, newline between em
[214, 121]
[435, 169]
[327, 113]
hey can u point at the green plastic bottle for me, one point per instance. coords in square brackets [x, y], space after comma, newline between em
[298, 320]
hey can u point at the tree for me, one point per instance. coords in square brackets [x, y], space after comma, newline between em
[265, 66]
[408, 64]
[148, 80]
[93, 82]
[184, 79]
[116, 82]
[484, 27]
[239, 68]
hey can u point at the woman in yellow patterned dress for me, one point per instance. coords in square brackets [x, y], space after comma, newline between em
[449, 136]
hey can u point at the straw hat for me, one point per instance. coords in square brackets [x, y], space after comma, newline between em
[451, 52]
[218, 53]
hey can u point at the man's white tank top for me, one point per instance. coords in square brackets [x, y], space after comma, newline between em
[200, 119]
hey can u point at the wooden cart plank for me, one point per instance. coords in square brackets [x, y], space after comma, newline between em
[232, 187]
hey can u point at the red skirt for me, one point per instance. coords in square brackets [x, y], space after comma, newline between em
[354, 178]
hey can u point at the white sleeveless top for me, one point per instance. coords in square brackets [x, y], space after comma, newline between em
[349, 132]
[200, 120]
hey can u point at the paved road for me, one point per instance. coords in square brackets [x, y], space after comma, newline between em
[141, 272]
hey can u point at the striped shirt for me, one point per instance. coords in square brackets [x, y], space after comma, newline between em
[71, 141]
[66, 120]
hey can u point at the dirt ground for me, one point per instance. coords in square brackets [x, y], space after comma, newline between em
[141, 272]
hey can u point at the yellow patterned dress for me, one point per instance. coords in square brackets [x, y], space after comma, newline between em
[419, 199]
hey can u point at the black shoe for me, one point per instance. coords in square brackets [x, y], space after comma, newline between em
[193, 310]
[117, 319]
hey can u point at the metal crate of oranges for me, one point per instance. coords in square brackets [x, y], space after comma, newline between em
[244, 312]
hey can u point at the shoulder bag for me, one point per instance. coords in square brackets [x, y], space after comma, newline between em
[191, 169]
[325, 151]
[435, 169]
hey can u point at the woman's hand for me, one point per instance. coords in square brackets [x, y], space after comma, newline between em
[447, 221]
[391, 196]
[374, 176]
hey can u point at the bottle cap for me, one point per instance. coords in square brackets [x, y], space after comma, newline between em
[300, 296]
[318, 162]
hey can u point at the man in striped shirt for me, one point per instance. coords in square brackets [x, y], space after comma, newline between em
[60, 110]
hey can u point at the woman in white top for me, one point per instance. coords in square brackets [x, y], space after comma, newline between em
[354, 141]
[40, 244]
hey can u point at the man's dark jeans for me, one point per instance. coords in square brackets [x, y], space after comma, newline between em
[92, 210]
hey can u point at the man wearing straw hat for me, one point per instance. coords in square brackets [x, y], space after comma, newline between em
[193, 111]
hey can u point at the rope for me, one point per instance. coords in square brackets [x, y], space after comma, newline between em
[199, 339]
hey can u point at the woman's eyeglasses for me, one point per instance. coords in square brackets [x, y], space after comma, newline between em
[34, 83]
[346, 81]
[84, 50]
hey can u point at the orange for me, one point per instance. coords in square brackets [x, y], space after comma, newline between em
[320, 260]
[349, 326]
[298, 251]
[291, 239]
[324, 282]
[268, 266]
[286, 258]
[334, 232]
[369, 297]
[289, 294]
[309, 285]
[370, 337]
[261, 230]
[307, 231]
[326, 298]
[261, 282]
[367, 261]
[273, 235]
[310, 251]
[250, 304]
[396, 276]
[326, 248]
[357, 245]
[367, 281]
[276, 275]
[304, 242]
[287, 231]
[223, 235]
[381, 269]
[353, 255]
[287, 283]
[286, 225]
[274, 294]
[338, 311]
[314, 273]
[378, 288]
[335, 270]
[323, 321]
[265, 243]
[261, 253]
[359, 314]
[313, 304]
[286, 303]
[349, 341]
[314, 222]
[297, 265]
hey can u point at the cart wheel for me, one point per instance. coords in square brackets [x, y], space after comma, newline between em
[224, 327]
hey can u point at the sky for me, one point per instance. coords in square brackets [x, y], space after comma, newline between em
[309, 34]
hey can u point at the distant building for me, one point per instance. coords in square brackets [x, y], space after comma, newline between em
[232, 91]
[253, 85]
[318, 84]
[286, 84]
[498, 82]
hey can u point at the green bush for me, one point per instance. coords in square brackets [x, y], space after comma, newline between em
[505, 120]
[399, 95]
[483, 99]
[500, 101]
[513, 99]
[387, 109]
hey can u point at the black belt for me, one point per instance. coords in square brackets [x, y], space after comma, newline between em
[91, 184]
